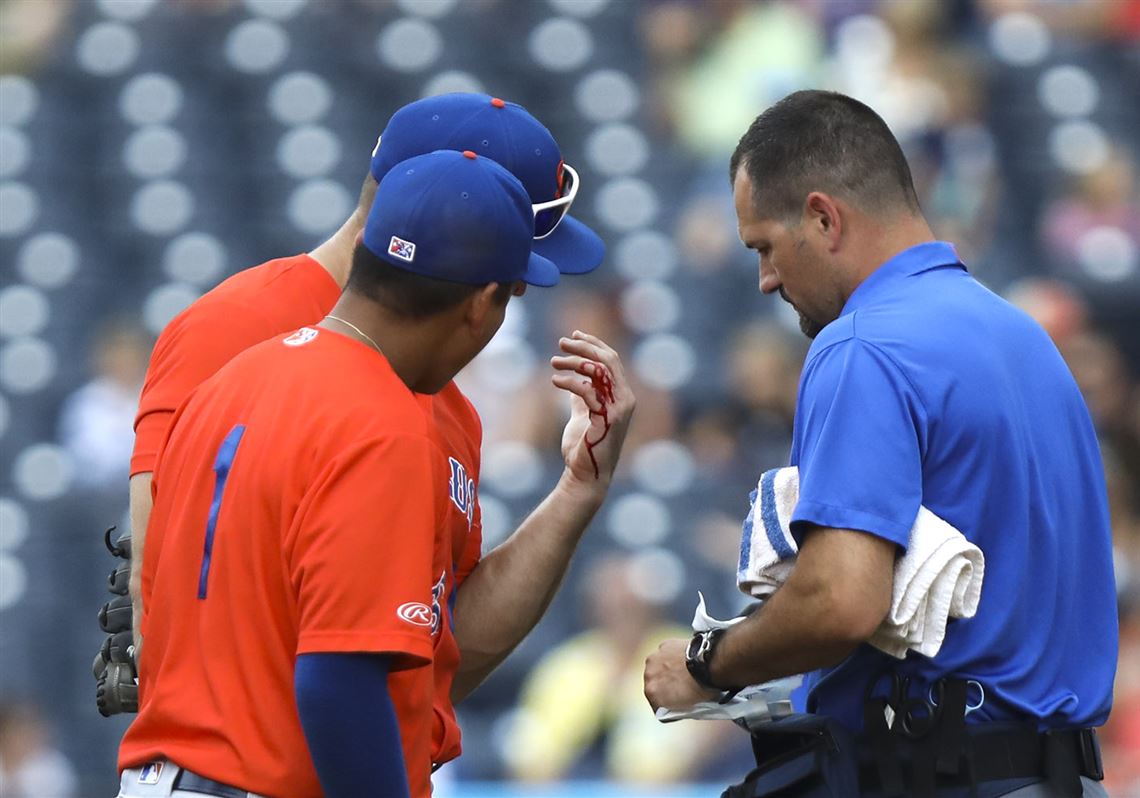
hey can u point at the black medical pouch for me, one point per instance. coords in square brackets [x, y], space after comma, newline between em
[802, 755]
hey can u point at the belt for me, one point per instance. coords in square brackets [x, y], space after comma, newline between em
[192, 782]
[1012, 754]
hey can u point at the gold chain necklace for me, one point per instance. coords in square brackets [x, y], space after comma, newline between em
[358, 331]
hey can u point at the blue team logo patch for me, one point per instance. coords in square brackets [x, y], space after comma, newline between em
[436, 599]
[301, 337]
[462, 489]
[150, 773]
[404, 250]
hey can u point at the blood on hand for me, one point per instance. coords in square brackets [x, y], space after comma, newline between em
[604, 392]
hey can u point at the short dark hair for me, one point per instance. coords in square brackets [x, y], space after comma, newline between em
[823, 141]
[367, 193]
[407, 294]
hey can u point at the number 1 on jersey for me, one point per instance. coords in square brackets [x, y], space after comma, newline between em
[222, 465]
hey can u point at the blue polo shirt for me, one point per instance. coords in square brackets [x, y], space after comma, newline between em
[930, 389]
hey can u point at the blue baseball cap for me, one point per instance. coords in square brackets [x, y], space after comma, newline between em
[458, 217]
[506, 133]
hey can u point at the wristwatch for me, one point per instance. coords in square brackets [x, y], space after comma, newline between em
[699, 654]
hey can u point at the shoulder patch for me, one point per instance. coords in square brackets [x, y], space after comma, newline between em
[301, 337]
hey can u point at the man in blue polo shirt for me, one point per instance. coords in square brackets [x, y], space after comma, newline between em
[921, 387]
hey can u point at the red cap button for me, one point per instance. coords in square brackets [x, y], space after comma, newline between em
[495, 101]
[469, 154]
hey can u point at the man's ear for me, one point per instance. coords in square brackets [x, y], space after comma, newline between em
[823, 217]
[359, 239]
[480, 305]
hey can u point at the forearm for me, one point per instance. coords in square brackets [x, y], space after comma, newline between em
[510, 589]
[834, 599]
[350, 724]
[140, 507]
[791, 633]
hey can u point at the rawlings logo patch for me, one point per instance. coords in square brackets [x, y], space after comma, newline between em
[415, 613]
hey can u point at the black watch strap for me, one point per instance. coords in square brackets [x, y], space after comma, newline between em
[698, 657]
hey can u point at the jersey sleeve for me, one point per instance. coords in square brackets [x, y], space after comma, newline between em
[361, 551]
[858, 443]
[473, 551]
[195, 345]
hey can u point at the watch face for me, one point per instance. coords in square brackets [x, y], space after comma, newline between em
[694, 646]
[699, 646]
[697, 657]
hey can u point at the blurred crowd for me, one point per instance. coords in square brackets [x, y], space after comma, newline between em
[149, 148]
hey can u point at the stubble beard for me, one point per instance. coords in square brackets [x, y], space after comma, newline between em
[808, 326]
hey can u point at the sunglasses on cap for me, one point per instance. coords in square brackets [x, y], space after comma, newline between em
[548, 215]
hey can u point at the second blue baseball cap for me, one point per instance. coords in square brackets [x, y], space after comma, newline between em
[506, 133]
[458, 217]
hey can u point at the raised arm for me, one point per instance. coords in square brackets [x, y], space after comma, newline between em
[510, 589]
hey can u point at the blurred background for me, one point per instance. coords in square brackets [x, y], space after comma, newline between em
[150, 148]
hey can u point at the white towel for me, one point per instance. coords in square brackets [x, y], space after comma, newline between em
[767, 550]
[752, 706]
[939, 577]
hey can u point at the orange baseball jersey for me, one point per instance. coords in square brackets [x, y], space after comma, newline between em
[457, 430]
[302, 504]
[250, 307]
[257, 304]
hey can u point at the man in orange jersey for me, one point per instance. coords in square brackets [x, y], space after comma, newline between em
[515, 583]
[301, 562]
[284, 294]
